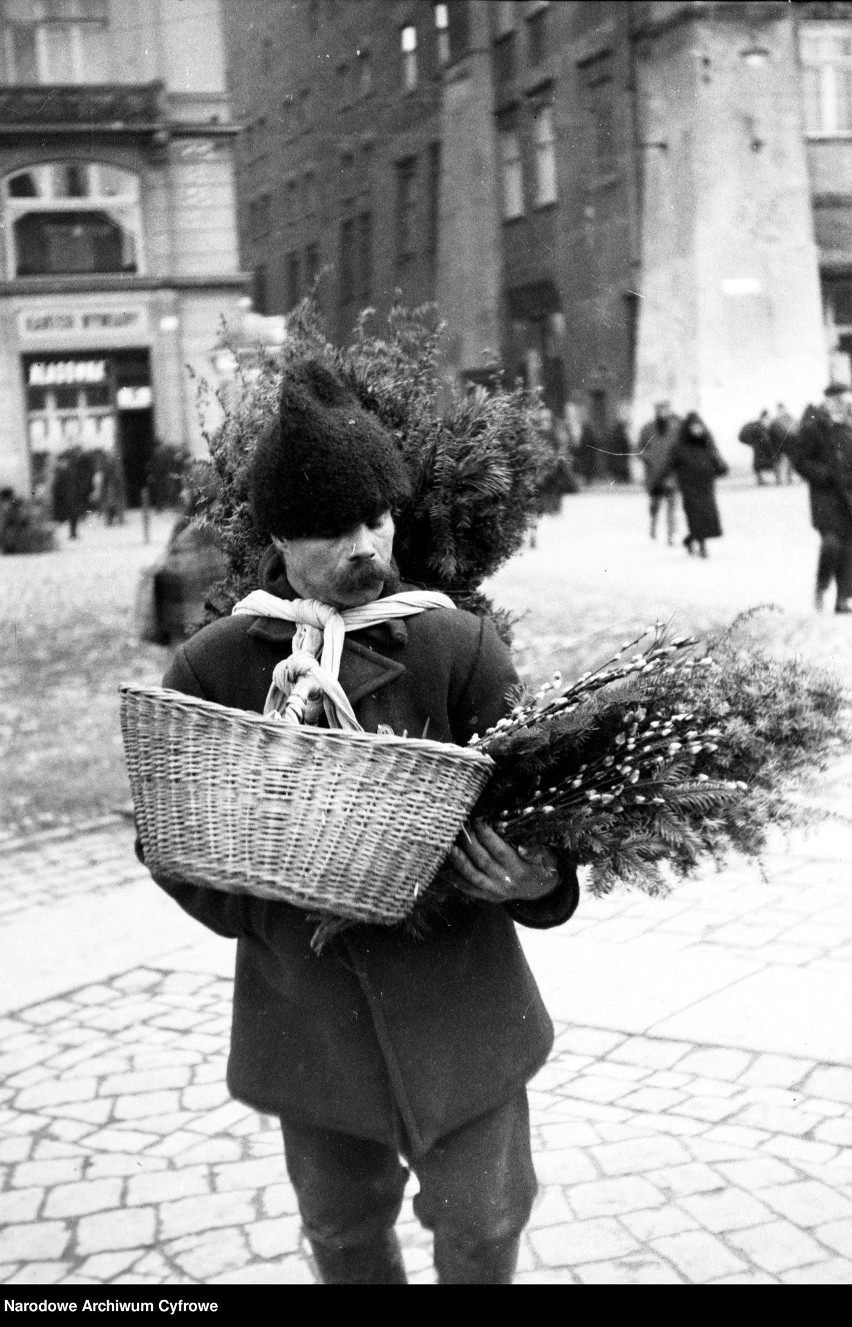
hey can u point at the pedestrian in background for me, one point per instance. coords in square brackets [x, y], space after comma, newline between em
[656, 443]
[72, 486]
[823, 457]
[782, 431]
[696, 463]
[757, 434]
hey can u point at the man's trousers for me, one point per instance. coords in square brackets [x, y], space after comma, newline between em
[835, 564]
[477, 1186]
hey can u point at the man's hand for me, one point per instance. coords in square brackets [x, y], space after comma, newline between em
[490, 870]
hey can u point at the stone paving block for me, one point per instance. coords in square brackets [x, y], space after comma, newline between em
[737, 1135]
[725, 1209]
[808, 1202]
[120, 1140]
[225, 1119]
[713, 1110]
[759, 1173]
[146, 1104]
[174, 1058]
[593, 1112]
[140, 979]
[656, 1099]
[253, 1174]
[716, 1062]
[145, 1080]
[122, 1228]
[746, 1279]
[688, 1178]
[15, 1149]
[645, 1154]
[278, 1199]
[592, 1087]
[94, 995]
[834, 1110]
[189, 1215]
[640, 1269]
[88, 1112]
[581, 1241]
[106, 1266]
[29, 1077]
[213, 1071]
[34, 1241]
[212, 1254]
[630, 1073]
[837, 1235]
[204, 1097]
[292, 1271]
[543, 1277]
[276, 1237]
[832, 1272]
[45, 1173]
[167, 1185]
[680, 1125]
[66, 1200]
[20, 1205]
[551, 1207]
[651, 1052]
[628, 1193]
[775, 1120]
[567, 1134]
[588, 1041]
[185, 983]
[182, 1141]
[40, 1274]
[699, 1256]
[799, 1149]
[55, 1092]
[832, 1081]
[126, 1163]
[49, 1012]
[48, 1149]
[568, 1165]
[838, 1132]
[777, 1246]
[655, 1222]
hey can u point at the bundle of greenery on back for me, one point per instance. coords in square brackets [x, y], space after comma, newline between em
[476, 460]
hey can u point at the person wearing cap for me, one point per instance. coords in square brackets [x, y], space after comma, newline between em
[384, 1051]
[822, 455]
[655, 445]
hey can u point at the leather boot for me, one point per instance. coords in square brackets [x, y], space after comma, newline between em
[377, 1263]
[491, 1264]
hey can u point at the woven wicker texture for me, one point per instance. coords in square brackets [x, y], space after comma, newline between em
[349, 824]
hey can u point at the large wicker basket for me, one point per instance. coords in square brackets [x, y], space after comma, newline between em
[350, 824]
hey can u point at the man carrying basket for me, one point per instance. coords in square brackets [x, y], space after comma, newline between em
[390, 1044]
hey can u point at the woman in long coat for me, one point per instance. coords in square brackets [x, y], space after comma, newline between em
[696, 463]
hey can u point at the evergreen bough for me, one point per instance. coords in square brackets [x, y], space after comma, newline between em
[476, 459]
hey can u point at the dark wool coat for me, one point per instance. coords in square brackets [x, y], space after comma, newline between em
[380, 1032]
[696, 464]
[760, 438]
[823, 456]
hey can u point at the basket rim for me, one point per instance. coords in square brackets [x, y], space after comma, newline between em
[424, 745]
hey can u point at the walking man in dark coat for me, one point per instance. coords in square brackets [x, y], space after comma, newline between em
[766, 452]
[696, 462]
[823, 456]
[655, 445]
[383, 1049]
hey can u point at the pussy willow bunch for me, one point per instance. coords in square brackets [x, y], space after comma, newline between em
[637, 764]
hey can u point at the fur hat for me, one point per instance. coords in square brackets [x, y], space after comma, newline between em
[326, 464]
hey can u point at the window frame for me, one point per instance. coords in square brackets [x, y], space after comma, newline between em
[409, 70]
[124, 209]
[512, 172]
[544, 149]
[826, 82]
[78, 27]
[405, 216]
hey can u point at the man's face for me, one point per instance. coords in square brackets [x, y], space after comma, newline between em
[662, 411]
[344, 571]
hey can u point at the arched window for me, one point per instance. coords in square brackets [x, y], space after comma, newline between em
[67, 218]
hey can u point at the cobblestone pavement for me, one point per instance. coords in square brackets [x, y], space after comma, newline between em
[693, 1124]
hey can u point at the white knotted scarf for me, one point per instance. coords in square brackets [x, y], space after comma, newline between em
[318, 644]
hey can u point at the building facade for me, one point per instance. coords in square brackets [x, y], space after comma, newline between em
[623, 201]
[118, 243]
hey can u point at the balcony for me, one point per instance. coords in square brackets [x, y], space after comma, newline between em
[120, 109]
